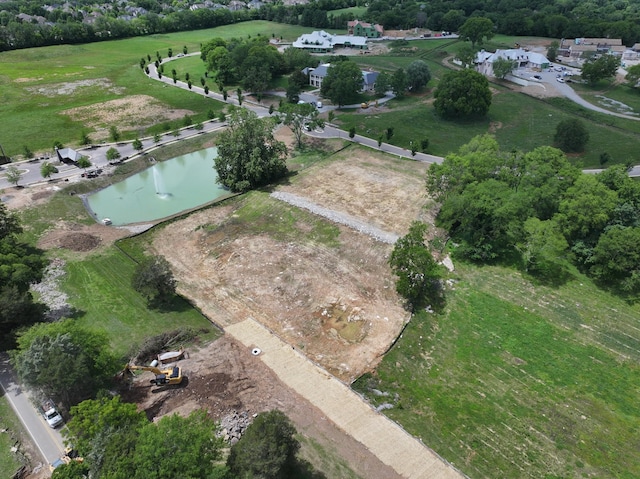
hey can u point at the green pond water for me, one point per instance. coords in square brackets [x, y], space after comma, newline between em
[162, 190]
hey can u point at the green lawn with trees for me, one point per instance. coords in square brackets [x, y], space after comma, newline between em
[31, 78]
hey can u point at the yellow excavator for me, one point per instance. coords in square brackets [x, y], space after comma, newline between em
[163, 377]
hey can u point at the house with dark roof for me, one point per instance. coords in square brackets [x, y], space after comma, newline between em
[364, 29]
[317, 75]
[68, 155]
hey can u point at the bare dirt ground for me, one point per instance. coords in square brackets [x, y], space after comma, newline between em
[135, 111]
[337, 304]
[224, 377]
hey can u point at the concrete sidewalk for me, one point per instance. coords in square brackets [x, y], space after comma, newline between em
[384, 438]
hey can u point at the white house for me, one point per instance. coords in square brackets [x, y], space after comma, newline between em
[316, 76]
[524, 59]
[323, 42]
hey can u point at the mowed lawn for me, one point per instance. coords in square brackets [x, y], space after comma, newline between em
[100, 288]
[519, 380]
[31, 81]
[518, 122]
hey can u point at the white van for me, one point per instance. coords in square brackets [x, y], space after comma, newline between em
[319, 104]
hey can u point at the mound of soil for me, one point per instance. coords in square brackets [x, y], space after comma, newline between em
[79, 242]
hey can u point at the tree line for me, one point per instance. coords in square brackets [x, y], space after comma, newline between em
[116, 441]
[68, 27]
[542, 18]
[538, 211]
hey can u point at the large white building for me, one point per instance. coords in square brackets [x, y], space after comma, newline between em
[323, 42]
[524, 59]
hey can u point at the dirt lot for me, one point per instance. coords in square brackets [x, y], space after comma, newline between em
[224, 377]
[337, 304]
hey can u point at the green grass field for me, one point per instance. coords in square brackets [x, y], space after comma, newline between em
[520, 380]
[518, 121]
[33, 81]
[100, 287]
[10, 425]
[356, 11]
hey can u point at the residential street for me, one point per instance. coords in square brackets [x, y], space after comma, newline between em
[48, 441]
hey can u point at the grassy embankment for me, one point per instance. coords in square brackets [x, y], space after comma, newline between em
[9, 423]
[520, 380]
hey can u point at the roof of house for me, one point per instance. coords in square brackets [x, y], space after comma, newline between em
[369, 78]
[515, 54]
[68, 153]
[602, 41]
[320, 71]
[353, 23]
[322, 39]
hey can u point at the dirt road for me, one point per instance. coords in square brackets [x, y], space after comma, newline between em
[385, 439]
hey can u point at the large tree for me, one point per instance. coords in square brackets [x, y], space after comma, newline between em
[178, 447]
[571, 135]
[300, 116]
[476, 30]
[418, 273]
[342, 83]
[466, 55]
[600, 68]
[633, 76]
[267, 450]
[462, 93]
[64, 360]
[616, 258]
[92, 417]
[418, 75]
[248, 154]
[503, 67]
[399, 82]
[154, 279]
[47, 169]
[20, 266]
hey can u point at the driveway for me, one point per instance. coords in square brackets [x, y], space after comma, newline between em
[48, 441]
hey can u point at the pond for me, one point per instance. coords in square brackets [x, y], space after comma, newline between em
[160, 191]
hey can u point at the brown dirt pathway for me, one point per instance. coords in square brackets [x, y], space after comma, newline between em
[384, 438]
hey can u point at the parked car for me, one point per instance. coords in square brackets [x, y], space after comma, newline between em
[51, 414]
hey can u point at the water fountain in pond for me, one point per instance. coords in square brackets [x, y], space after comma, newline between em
[161, 190]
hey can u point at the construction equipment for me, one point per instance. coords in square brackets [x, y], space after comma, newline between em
[163, 377]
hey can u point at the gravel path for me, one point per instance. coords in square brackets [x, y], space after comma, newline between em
[49, 291]
[337, 217]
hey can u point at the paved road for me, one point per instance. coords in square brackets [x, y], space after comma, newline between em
[98, 156]
[48, 441]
